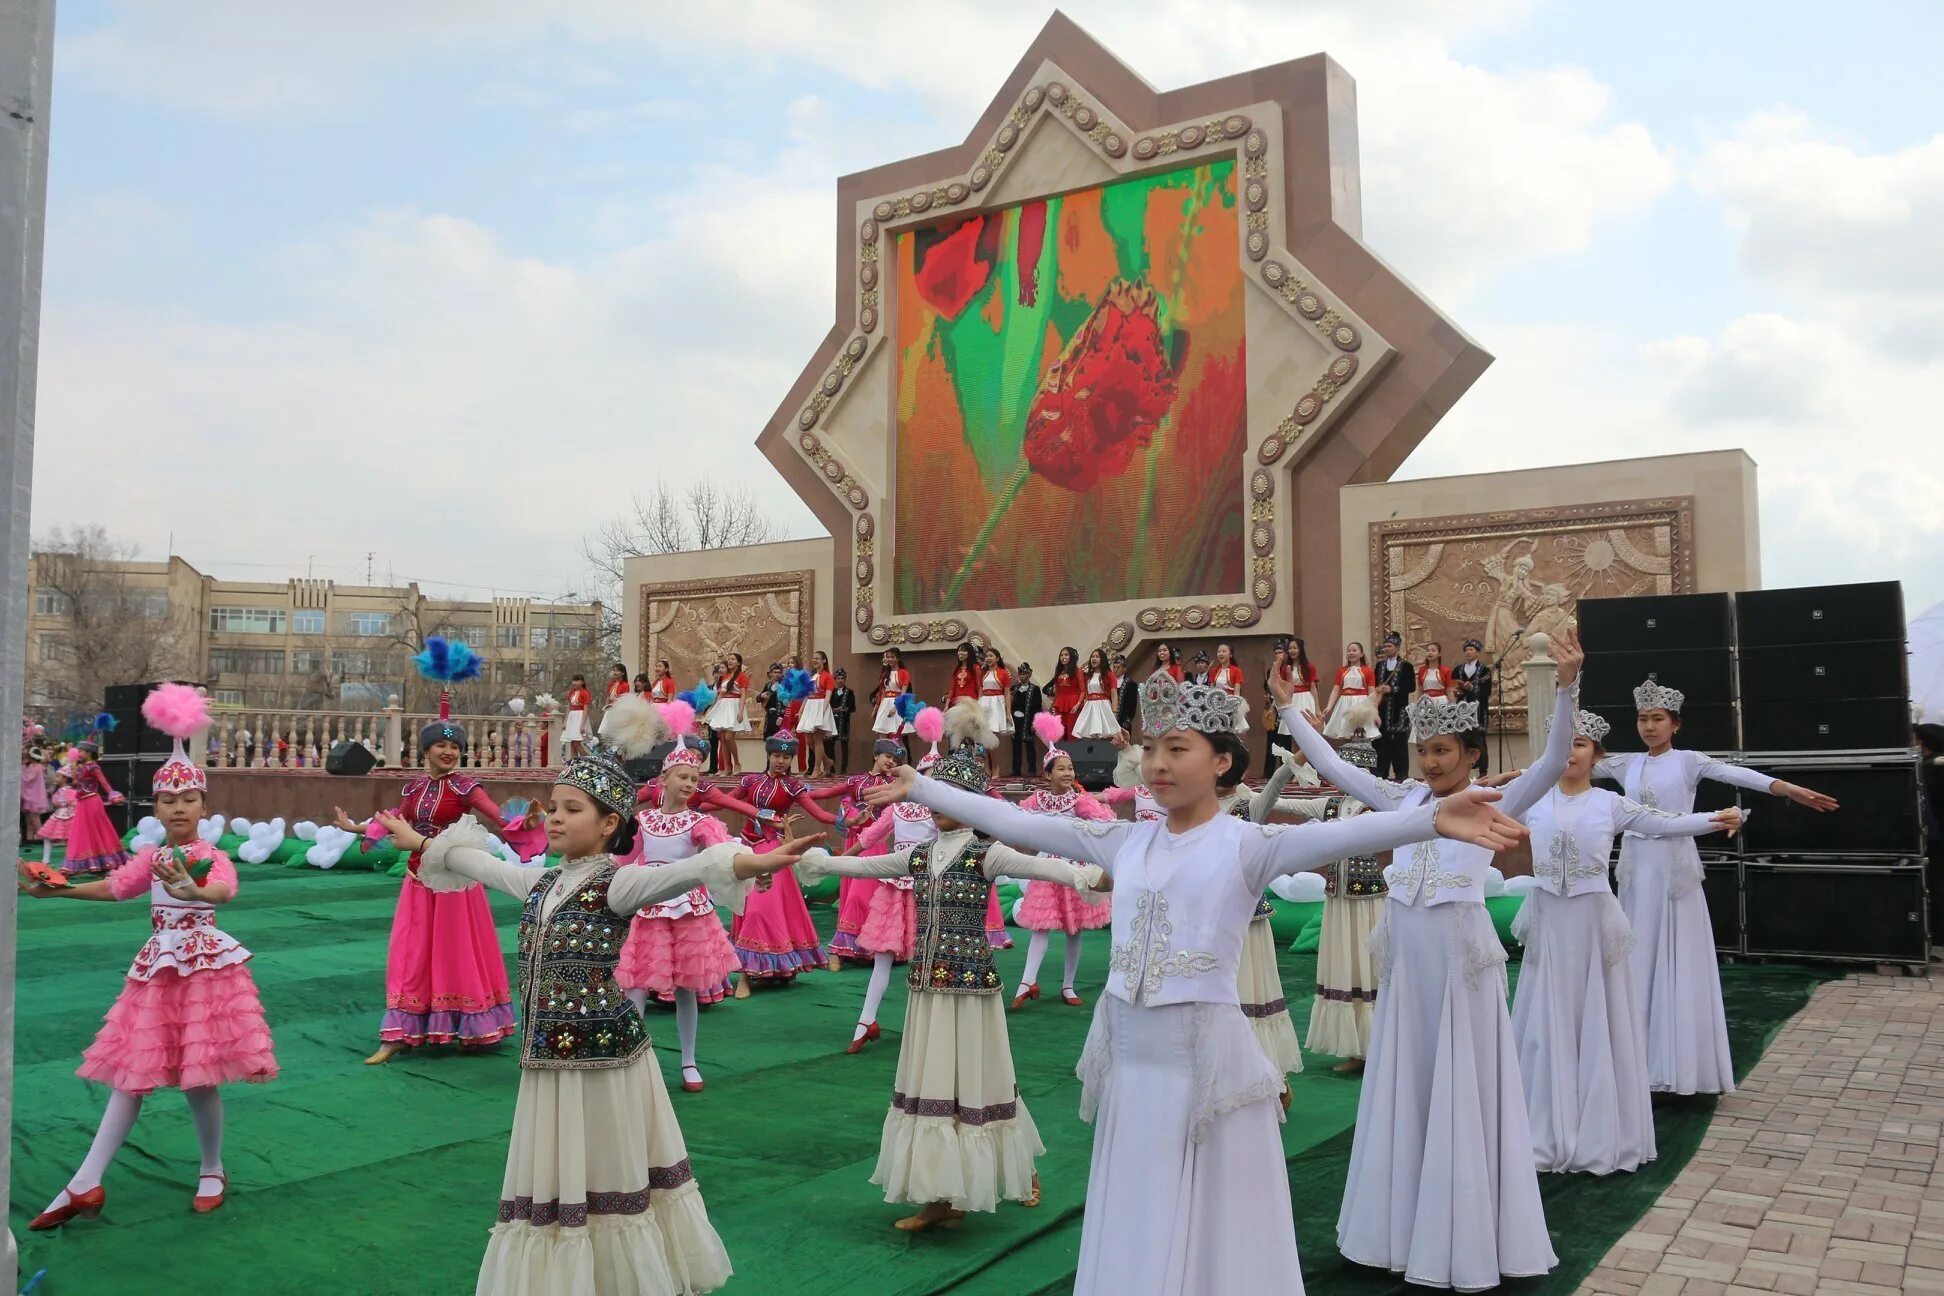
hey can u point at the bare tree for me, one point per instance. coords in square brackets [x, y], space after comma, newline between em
[114, 630]
[705, 516]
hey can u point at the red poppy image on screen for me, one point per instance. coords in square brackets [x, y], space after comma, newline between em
[1072, 400]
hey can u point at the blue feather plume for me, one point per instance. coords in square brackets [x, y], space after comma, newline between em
[701, 697]
[104, 722]
[909, 705]
[796, 685]
[450, 661]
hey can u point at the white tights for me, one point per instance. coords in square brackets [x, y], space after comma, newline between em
[687, 1014]
[1036, 955]
[205, 1109]
[874, 992]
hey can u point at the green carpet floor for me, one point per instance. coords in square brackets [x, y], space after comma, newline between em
[383, 1180]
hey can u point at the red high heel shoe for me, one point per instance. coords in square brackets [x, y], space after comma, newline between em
[1071, 999]
[1030, 992]
[203, 1205]
[85, 1205]
[871, 1032]
[691, 1086]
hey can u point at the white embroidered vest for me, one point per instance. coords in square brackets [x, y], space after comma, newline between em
[1571, 840]
[1435, 872]
[911, 825]
[184, 938]
[1181, 915]
[663, 838]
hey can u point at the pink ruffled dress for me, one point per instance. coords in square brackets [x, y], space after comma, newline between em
[188, 1016]
[57, 826]
[93, 845]
[854, 894]
[678, 944]
[1056, 908]
[773, 935]
[33, 787]
[907, 824]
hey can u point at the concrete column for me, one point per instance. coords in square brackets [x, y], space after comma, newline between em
[1542, 690]
[394, 733]
[26, 79]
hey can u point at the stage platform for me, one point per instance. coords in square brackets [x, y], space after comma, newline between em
[382, 1181]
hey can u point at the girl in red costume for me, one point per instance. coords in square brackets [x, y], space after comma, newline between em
[1165, 660]
[617, 685]
[93, 845]
[1067, 690]
[773, 935]
[995, 692]
[1096, 719]
[1227, 676]
[965, 677]
[662, 688]
[1354, 679]
[727, 718]
[816, 722]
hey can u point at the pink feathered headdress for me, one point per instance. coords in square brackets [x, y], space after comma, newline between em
[1051, 730]
[179, 711]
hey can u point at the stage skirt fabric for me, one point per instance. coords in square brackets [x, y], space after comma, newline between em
[998, 714]
[727, 713]
[183, 1031]
[853, 905]
[1346, 983]
[891, 926]
[599, 1196]
[575, 727]
[1582, 1050]
[816, 717]
[445, 978]
[1306, 703]
[1339, 726]
[773, 935]
[1259, 984]
[1188, 1193]
[888, 722]
[1051, 907]
[996, 934]
[1096, 720]
[1676, 980]
[93, 845]
[692, 952]
[1442, 1186]
[956, 1130]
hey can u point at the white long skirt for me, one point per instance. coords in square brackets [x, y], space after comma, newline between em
[1677, 982]
[957, 1130]
[727, 713]
[998, 714]
[1346, 983]
[816, 717]
[1259, 984]
[1306, 703]
[1096, 720]
[574, 728]
[888, 721]
[1582, 1049]
[1442, 1187]
[598, 1196]
[1339, 726]
[1188, 1194]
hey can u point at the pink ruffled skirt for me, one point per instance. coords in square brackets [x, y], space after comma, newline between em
[445, 978]
[773, 935]
[996, 934]
[892, 925]
[664, 955]
[56, 830]
[1051, 907]
[183, 1032]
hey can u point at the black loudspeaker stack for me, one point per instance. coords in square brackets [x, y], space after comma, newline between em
[1094, 762]
[131, 752]
[1810, 686]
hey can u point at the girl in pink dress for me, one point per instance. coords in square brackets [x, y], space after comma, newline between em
[1048, 908]
[33, 784]
[445, 978]
[854, 894]
[773, 934]
[56, 826]
[93, 845]
[188, 1016]
[677, 949]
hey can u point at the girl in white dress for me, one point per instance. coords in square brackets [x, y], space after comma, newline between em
[1096, 720]
[598, 1195]
[1188, 1192]
[1351, 712]
[1442, 1186]
[894, 681]
[1576, 1019]
[995, 693]
[1675, 977]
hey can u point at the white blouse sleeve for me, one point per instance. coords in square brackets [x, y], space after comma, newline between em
[1263, 803]
[1003, 861]
[638, 885]
[1738, 775]
[1523, 792]
[462, 855]
[1305, 807]
[818, 864]
[1095, 841]
[1378, 794]
[1646, 821]
[1270, 852]
[1613, 767]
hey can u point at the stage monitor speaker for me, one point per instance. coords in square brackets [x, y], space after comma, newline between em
[1820, 614]
[1858, 724]
[1094, 761]
[132, 776]
[1850, 914]
[349, 758]
[1706, 675]
[124, 738]
[1832, 672]
[1661, 622]
[1710, 728]
[1881, 814]
[1721, 888]
[125, 697]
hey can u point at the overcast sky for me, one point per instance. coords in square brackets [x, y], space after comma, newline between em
[445, 281]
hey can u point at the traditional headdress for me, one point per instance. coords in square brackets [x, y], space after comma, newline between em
[1586, 725]
[1166, 706]
[783, 741]
[1655, 696]
[1433, 716]
[449, 661]
[1049, 729]
[886, 747]
[1473, 643]
[679, 716]
[970, 738]
[631, 728]
[1359, 752]
[180, 712]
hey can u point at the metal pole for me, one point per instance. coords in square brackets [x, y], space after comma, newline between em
[26, 75]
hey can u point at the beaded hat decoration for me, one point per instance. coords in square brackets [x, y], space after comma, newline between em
[885, 747]
[180, 712]
[1359, 752]
[631, 728]
[1655, 696]
[1167, 706]
[1431, 717]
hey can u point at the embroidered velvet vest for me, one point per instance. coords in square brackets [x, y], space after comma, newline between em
[953, 955]
[1359, 877]
[576, 1017]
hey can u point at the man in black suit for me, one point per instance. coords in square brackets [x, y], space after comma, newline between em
[1198, 669]
[1396, 681]
[843, 705]
[1027, 702]
[1127, 700]
[1472, 682]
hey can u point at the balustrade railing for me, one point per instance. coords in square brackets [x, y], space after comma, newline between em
[267, 738]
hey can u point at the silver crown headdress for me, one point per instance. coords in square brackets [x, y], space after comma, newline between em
[1433, 716]
[1655, 696]
[1586, 725]
[1166, 705]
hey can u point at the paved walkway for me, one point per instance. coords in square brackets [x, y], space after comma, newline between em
[1823, 1172]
